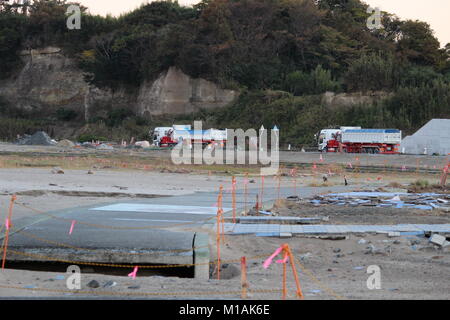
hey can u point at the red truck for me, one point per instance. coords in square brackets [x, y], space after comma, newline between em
[357, 140]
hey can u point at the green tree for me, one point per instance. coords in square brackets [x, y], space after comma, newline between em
[418, 44]
[315, 82]
[371, 72]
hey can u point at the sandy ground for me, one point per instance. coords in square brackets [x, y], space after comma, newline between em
[327, 270]
[411, 268]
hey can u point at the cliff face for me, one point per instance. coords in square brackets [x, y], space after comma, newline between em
[49, 80]
[342, 100]
[176, 93]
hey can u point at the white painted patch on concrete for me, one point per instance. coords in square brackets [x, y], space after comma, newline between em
[159, 208]
[152, 220]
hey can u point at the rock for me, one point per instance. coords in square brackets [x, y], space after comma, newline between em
[109, 284]
[362, 241]
[229, 271]
[134, 287]
[93, 284]
[371, 250]
[65, 144]
[57, 170]
[337, 250]
[305, 256]
[90, 172]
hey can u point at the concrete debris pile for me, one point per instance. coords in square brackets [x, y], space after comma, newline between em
[65, 143]
[40, 138]
[142, 144]
[422, 201]
[95, 145]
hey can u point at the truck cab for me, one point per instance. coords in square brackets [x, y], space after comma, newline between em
[158, 133]
[325, 139]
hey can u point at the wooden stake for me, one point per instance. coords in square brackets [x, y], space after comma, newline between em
[244, 284]
[233, 197]
[219, 220]
[8, 226]
[444, 176]
[284, 276]
[222, 220]
[262, 192]
[245, 193]
[279, 186]
[294, 271]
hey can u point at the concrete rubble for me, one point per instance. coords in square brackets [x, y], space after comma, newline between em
[439, 240]
[39, 138]
[422, 201]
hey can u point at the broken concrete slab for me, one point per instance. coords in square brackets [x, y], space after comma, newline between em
[438, 239]
[393, 234]
[421, 201]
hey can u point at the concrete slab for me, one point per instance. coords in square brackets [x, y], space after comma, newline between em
[237, 229]
[152, 231]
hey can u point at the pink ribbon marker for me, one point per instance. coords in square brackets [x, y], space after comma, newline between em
[283, 260]
[245, 181]
[268, 262]
[71, 227]
[7, 224]
[133, 274]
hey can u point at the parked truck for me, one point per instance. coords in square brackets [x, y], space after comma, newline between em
[171, 136]
[358, 140]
